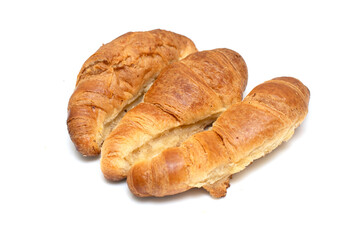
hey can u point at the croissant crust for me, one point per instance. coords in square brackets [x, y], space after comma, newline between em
[186, 97]
[246, 131]
[114, 77]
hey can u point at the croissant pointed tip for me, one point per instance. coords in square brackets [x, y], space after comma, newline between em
[137, 181]
[111, 170]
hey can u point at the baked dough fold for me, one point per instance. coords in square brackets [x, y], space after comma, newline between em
[114, 80]
[246, 131]
[186, 98]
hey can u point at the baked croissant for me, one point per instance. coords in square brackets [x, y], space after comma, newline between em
[246, 131]
[114, 80]
[187, 97]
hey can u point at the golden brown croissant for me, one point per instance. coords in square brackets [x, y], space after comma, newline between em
[186, 97]
[114, 79]
[246, 131]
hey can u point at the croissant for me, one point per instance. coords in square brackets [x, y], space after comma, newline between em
[114, 80]
[246, 131]
[187, 97]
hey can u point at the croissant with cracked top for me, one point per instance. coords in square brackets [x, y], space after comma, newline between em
[186, 98]
[246, 131]
[114, 79]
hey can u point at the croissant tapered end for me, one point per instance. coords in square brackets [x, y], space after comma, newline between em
[286, 95]
[81, 124]
[114, 170]
[164, 175]
[238, 63]
[297, 84]
[139, 179]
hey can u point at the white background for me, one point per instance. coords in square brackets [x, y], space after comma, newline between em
[305, 189]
